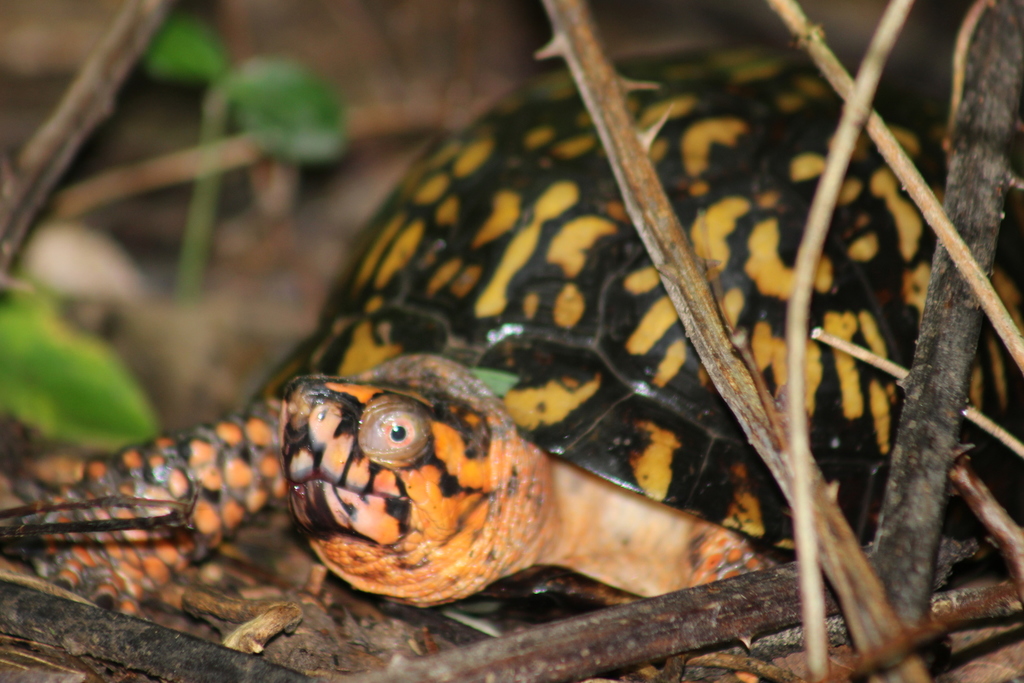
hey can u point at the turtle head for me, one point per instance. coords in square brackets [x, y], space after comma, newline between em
[412, 481]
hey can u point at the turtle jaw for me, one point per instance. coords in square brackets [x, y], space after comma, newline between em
[332, 490]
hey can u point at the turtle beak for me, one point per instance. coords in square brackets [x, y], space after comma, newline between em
[332, 487]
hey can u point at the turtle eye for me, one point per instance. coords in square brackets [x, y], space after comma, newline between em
[394, 430]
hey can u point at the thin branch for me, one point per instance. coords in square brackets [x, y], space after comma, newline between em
[963, 41]
[1005, 533]
[88, 100]
[872, 621]
[170, 169]
[819, 219]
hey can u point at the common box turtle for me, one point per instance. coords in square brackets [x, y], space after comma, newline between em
[507, 249]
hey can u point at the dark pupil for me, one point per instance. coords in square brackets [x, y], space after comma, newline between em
[398, 433]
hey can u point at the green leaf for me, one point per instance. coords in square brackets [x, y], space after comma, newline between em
[498, 381]
[67, 384]
[186, 51]
[290, 112]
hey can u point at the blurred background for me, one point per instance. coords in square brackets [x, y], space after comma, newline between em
[406, 72]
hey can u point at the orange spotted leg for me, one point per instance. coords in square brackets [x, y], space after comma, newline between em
[218, 475]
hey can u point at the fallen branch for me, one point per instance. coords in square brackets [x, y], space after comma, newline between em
[88, 100]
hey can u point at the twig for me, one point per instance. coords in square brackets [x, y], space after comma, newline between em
[983, 421]
[928, 437]
[88, 100]
[720, 660]
[171, 169]
[872, 621]
[819, 219]
[1005, 533]
[963, 41]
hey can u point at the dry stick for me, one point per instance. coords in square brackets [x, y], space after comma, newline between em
[986, 423]
[88, 100]
[170, 169]
[1008, 537]
[928, 437]
[819, 219]
[872, 621]
[910, 178]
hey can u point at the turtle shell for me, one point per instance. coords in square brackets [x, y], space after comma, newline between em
[507, 247]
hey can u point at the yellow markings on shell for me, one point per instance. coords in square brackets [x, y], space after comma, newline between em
[755, 72]
[770, 350]
[744, 512]
[812, 86]
[806, 166]
[869, 330]
[532, 407]
[844, 326]
[768, 199]
[473, 157]
[976, 392]
[555, 201]
[908, 221]
[699, 188]
[569, 306]
[658, 150]
[447, 212]
[658, 319]
[653, 467]
[364, 352]
[443, 275]
[907, 139]
[699, 137]
[1011, 296]
[569, 247]
[998, 368]
[915, 287]
[538, 137]
[732, 305]
[789, 102]
[505, 211]
[880, 414]
[530, 303]
[583, 119]
[765, 266]
[400, 252]
[432, 189]
[677, 107]
[445, 154]
[575, 146]
[466, 280]
[850, 190]
[864, 248]
[671, 363]
[374, 254]
[642, 281]
[373, 303]
[709, 230]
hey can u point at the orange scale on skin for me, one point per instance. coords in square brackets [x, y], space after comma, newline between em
[233, 514]
[201, 454]
[95, 470]
[386, 483]
[156, 570]
[131, 459]
[164, 442]
[361, 393]
[229, 432]
[238, 474]
[84, 556]
[167, 552]
[178, 484]
[211, 479]
[258, 432]
[255, 501]
[358, 474]
[270, 467]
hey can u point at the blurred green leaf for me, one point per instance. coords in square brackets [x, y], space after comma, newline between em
[290, 112]
[65, 383]
[498, 381]
[187, 51]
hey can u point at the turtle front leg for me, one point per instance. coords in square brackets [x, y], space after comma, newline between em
[220, 473]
